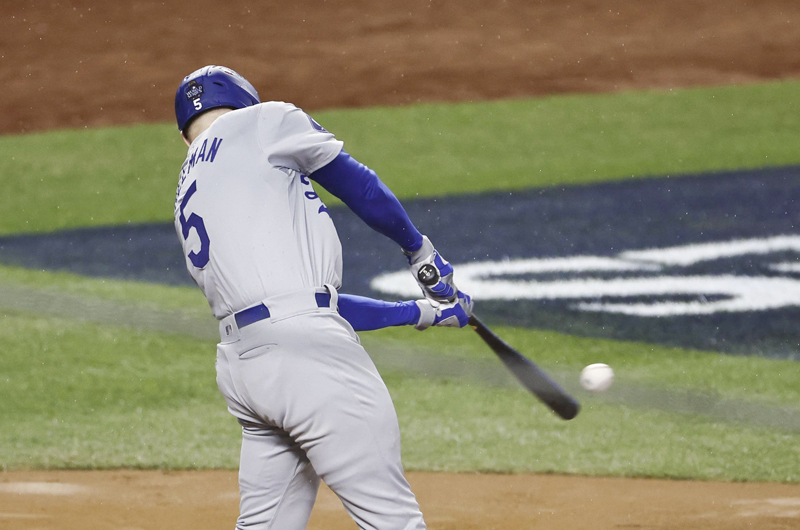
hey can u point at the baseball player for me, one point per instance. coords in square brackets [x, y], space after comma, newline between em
[262, 246]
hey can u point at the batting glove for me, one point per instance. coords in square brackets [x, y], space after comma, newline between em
[443, 290]
[451, 314]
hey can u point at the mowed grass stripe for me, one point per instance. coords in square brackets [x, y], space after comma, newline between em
[184, 311]
[649, 375]
[79, 395]
[98, 177]
[107, 397]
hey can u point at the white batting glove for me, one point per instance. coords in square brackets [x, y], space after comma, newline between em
[451, 314]
[443, 290]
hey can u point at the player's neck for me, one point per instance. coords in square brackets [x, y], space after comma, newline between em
[201, 123]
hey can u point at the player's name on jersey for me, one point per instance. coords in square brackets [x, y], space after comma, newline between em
[205, 152]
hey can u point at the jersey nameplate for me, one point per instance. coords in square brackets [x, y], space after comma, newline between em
[204, 153]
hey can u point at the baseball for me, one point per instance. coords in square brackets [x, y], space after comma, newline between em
[597, 377]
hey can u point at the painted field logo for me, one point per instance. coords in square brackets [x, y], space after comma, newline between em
[665, 282]
[710, 262]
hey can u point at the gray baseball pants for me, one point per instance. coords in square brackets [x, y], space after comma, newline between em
[312, 406]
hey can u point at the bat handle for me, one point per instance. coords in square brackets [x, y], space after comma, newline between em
[429, 276]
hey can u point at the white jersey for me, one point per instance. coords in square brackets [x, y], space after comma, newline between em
[247, 215]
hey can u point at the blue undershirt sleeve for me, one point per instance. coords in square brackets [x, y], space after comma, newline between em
[366, 314]
[368, 197]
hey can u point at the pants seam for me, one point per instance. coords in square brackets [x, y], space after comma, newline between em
[283, 494]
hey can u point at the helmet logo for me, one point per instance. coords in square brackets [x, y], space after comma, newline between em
[193, 90]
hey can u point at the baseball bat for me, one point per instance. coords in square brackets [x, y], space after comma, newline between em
[526, 371]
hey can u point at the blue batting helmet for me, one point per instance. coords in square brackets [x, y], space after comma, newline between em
[212, 87]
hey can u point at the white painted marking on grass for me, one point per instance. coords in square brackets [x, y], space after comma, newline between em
[690, 254]
[495, 280]
[41, 488]
[474, 277]
[786, 267]
[544, 265]
[742, 293]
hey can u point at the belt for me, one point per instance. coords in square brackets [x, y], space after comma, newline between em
[259, 312]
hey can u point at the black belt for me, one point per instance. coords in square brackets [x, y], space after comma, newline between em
[259, 312]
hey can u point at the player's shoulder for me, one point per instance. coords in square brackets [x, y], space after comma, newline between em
[275, 109]
[281, 118]
[238, 121]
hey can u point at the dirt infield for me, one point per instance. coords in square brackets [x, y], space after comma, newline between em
[87, 63]
[146, 500]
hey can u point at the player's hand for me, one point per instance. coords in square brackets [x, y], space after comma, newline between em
[433, 266]
[450, 314]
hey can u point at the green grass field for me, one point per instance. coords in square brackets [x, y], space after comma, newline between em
[100, 373]
[96, 177]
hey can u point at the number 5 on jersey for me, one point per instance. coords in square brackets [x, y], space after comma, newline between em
[198, 259]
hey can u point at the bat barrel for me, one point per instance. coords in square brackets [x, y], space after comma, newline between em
[528, 373]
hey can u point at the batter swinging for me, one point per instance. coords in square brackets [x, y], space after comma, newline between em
[262, 246]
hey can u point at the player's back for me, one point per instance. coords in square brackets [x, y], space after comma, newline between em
[249, 220]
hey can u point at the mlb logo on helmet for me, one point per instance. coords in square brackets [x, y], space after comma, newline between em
[194, 90]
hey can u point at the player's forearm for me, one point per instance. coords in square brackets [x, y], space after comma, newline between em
[366, 314]
[369, 198]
